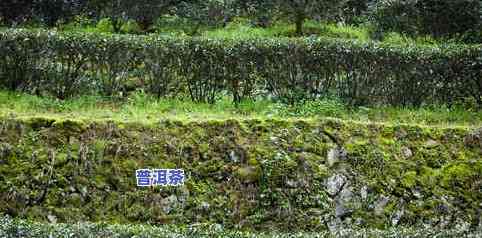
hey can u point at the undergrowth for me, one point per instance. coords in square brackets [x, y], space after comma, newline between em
[140, 106]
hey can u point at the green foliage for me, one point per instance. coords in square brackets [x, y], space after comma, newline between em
[20, 228]
[47, 12]
[14, 11]
[394, 38]
[240, 29]
[78, 22]
[173, 25]
[283, 29]
[409, 179]
[354, 11]
[439, 18]
[140, 106]
[345, 32]
[300, 10]
[144, 12]
[205, 13]
[131, 27]
[105, 26]
[287, 70]
[328, 108]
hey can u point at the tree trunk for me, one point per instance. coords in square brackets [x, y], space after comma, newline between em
[300, 19]
[146, 24]
[116, 24]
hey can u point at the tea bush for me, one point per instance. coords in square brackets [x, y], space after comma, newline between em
[19, 228]
[288, 70]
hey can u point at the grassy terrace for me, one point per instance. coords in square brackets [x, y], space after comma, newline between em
[142, 108]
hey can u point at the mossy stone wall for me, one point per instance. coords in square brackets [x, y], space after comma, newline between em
[252, 174]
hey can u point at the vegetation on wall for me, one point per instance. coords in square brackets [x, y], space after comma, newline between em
[290, 175]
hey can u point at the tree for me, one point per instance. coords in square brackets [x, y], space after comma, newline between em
[439, 18]
[51, 11]
[353, 10]
[15, 11]
[299, 11]
[45, 11]
[112, 9]
[145, 12]
[448, 17]
[206, 12]
[260, 11]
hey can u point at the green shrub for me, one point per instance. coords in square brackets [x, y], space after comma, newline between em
[105, 26]
[394, 38]
[20, 228]
[131, 27]
[77, 23]
[288, 70]
[346, 32]
[354, 11]
[239, 29]
[439, 18]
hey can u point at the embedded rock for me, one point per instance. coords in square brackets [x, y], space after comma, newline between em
[380, 205]
[169, 204]
[335, 155]
[474, 139]
[406, 152]
[335, 183]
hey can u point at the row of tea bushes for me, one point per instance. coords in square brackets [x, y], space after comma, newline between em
[290, 70]
[21, 228]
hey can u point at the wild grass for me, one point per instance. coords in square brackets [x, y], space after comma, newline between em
[238, 28]
[141, 107]
[243, 29]
[394, 38]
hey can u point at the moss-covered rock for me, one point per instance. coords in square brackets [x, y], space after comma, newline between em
[249, 174]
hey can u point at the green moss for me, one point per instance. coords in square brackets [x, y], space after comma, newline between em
[428, 177]
[210, 167]
[388, 142]
[253, 162]
[99, 147]
[458, 175]
[357, 146]
[290, 164]
[36, 213]
[70, 126]
[409, 179]
[249, 174]
[75, 200]
[39, 122]
[204, 147]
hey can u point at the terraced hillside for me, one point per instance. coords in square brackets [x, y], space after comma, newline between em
[277, 136]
